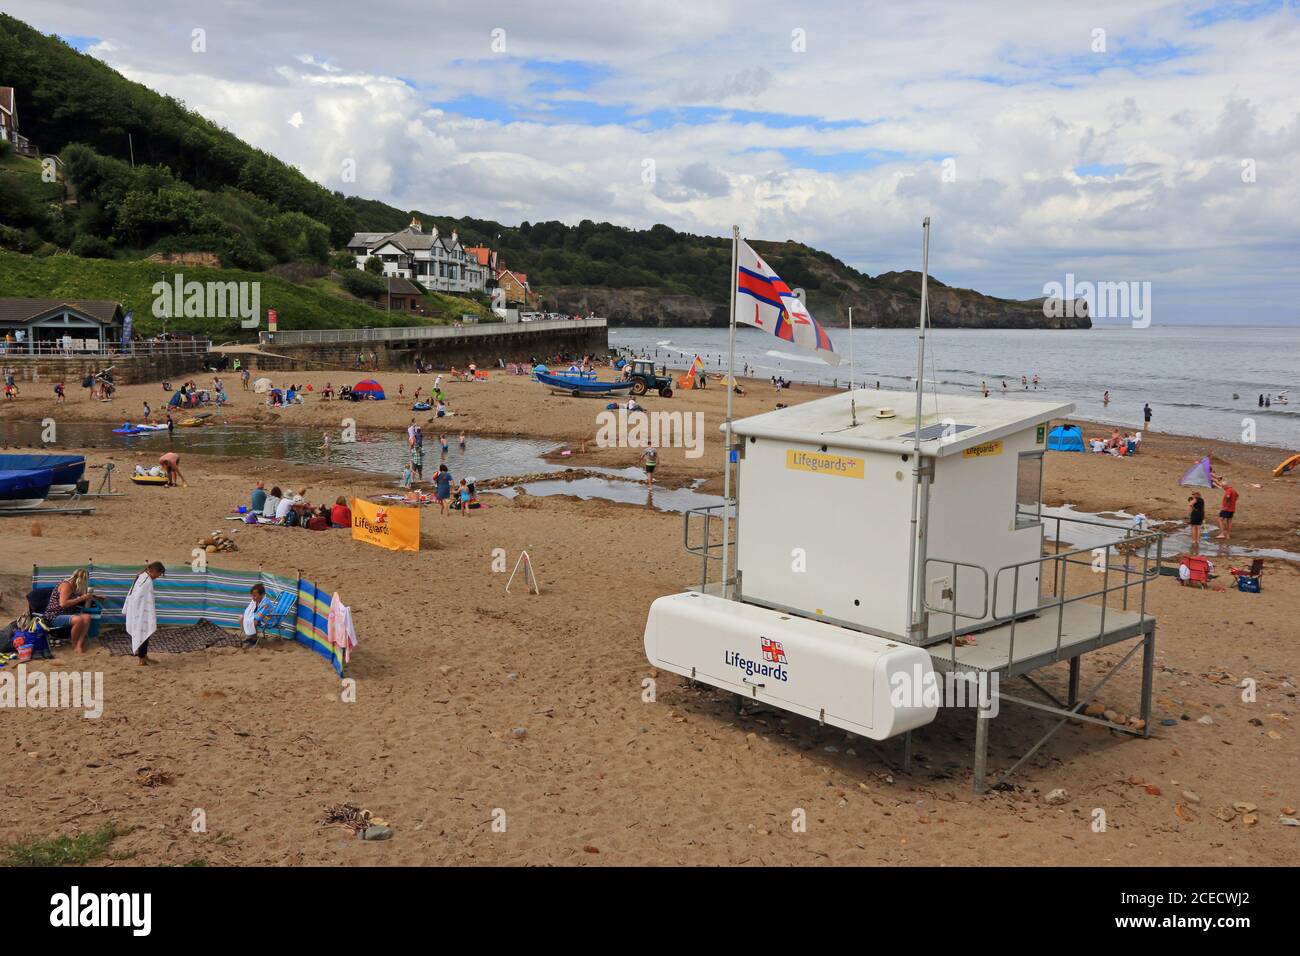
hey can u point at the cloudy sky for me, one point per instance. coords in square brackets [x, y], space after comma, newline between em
[1133, 141]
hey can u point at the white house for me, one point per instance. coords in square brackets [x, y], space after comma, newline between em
[438, 263]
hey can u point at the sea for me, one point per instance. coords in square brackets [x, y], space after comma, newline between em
[1199, 380]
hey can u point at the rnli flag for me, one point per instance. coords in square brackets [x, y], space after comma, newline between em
[766, 302]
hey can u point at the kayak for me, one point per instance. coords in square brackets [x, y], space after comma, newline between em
[1286, 466]
[149, 479]
[196, 420]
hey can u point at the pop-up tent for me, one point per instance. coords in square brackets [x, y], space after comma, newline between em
[262, 386]
[1065, 438]
[369, 388]
[1198, 476]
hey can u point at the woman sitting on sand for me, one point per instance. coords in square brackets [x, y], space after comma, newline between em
[341, 514]
[272, 503]
[66, 607]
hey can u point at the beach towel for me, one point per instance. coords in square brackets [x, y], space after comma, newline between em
[341, 632]
[174, 640]
[140, 611]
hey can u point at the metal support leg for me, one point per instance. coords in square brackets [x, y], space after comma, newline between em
[981, 747]
[1074, 680]
[907, 752]
[1148, 667]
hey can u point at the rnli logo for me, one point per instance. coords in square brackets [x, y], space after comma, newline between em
[772, 651]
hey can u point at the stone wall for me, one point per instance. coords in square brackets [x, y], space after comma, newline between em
[509, 343]
[127, 369]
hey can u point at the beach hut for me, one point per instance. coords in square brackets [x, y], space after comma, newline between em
[369, 389]
[1065, 438]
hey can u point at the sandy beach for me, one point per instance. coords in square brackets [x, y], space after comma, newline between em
[471, 701]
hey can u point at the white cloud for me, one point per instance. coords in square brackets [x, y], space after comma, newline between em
[1016, 97]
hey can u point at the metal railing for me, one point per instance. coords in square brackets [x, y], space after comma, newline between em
[422, 332]
[44, 350]
[707, 546]
[1129, 545]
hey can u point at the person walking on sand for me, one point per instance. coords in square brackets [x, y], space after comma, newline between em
[59, 394]
[464, 498]
[141, 612]
[1227, 508]
[1196, 518]
[651, 458]
[442, 489]
[171, 465]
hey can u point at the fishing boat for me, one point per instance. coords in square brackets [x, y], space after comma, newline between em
[576, 385]
[66, 470]
[24, 489]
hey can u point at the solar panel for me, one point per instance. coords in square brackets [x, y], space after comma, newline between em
[941, 430]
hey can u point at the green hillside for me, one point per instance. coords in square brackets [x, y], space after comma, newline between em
[191, 186]
[318, 305]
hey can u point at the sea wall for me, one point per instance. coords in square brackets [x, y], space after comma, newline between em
[127, 369]
[484, 346]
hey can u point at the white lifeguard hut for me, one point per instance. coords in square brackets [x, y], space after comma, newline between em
[878, 546]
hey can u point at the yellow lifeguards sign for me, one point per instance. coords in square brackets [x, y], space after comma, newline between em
[843, 466]
[397, 529]
[984, 450]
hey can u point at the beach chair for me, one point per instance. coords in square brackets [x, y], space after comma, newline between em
[1248, 578]
[1197, 568]
[274, 623]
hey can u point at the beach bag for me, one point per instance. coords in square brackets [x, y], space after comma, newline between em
[30, 644]
[1249, 585]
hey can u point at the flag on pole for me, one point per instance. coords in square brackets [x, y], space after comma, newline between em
[1198, 476]
[766, 302]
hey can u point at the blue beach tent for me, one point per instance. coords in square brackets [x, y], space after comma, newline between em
[1065, 438]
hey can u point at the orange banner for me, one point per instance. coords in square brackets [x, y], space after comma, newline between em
[397, 529]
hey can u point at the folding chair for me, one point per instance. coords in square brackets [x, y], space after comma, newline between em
[273, 623]
[1248, 579]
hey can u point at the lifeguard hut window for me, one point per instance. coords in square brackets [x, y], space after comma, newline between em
[1029, 490]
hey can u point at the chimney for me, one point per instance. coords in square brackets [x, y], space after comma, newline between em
[435, 232]
[453, 236]
[416, 225]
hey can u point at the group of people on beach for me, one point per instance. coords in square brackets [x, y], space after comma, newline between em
[73, 605]
[465, 494]
[1227, 511]
[292, 509]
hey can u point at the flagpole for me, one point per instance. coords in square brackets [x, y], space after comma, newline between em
[731, 372]
[853, 407]
[915, 590]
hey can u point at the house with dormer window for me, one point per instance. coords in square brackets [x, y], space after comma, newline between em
[439, 263]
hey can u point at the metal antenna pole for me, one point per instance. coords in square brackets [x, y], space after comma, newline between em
[913, 572]
[853, 405]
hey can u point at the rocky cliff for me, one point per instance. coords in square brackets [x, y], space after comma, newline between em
[888, 300]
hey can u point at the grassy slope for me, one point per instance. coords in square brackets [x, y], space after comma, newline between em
[26, 173]
[131, 283]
